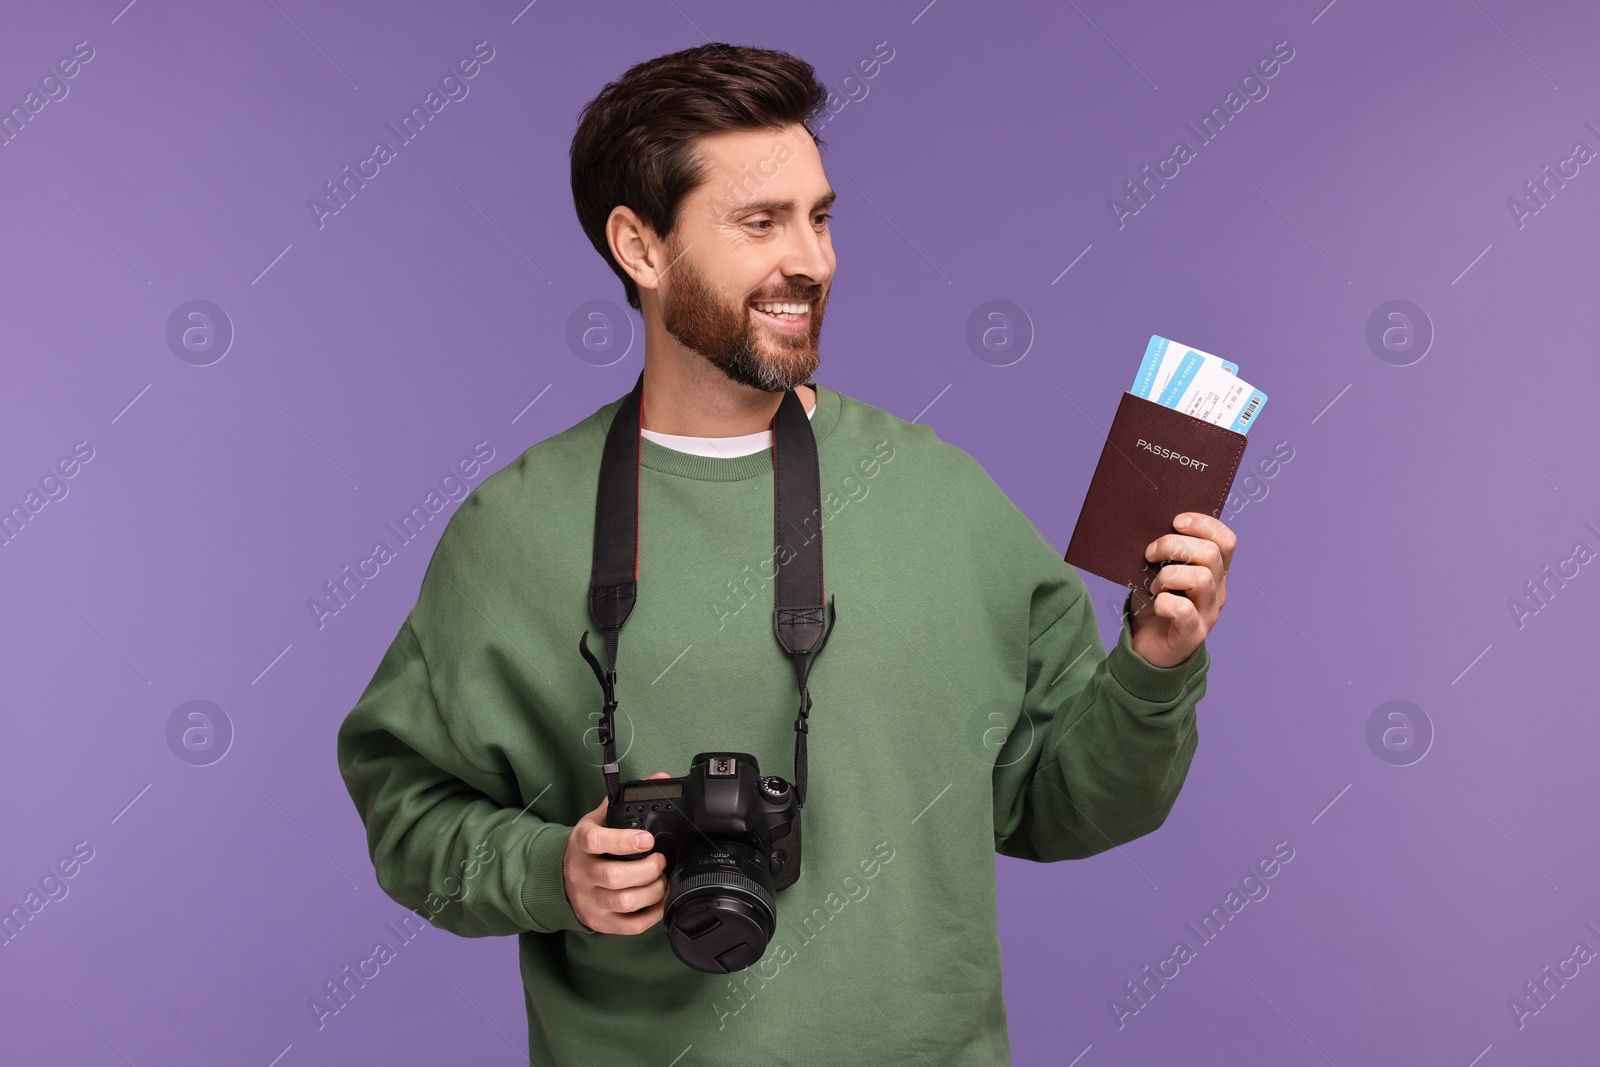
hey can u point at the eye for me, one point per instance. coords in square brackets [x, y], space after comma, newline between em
[759, 222]
[824, 218]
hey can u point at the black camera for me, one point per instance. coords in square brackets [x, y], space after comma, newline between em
[731, 837]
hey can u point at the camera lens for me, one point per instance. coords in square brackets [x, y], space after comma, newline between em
[719, 910]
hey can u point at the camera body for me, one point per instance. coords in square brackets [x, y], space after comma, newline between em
[731, 838]
[724, 797]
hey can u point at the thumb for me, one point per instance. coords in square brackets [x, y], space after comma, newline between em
[661, 774]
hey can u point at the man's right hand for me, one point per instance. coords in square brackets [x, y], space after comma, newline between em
[613, 896]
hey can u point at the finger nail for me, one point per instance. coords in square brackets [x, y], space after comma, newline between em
[1182, 522]
[643, 840]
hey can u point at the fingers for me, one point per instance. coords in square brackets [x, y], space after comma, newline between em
[621, 874]
[1186, 616]
[1199, 575]
[635, 923]
[1185, 549]
[1199, 583]
[1210, 528]
[614, 896]
[613, 892]
[1189, 597]
[626, 901]
[596, 839]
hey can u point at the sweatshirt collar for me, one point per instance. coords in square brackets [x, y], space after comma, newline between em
[659, 457]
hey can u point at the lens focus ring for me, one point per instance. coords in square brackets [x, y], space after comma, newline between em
[724, 882]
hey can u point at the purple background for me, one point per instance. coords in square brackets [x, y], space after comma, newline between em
[432, 310]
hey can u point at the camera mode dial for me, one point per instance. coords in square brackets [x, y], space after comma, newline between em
[774, 788]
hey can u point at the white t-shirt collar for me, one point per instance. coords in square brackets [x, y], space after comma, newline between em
[718, 447]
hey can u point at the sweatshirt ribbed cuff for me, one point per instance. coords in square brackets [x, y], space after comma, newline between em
[544, 889]
[1143, 679]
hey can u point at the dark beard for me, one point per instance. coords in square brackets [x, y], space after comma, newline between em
[698, 319]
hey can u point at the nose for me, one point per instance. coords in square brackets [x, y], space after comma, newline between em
[809, 256]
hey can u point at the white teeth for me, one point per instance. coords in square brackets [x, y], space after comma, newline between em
[785, 309]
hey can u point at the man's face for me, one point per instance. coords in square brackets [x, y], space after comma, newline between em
[754, 233]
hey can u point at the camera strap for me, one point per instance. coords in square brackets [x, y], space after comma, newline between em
[798, 595]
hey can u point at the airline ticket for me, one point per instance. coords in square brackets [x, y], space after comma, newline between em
[1198, 384]
[1161, 359]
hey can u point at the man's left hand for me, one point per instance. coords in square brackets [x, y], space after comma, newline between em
[1166, 631]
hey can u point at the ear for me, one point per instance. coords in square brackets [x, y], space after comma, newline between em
[636, 247]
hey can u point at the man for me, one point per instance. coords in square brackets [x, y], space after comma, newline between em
[966, 705]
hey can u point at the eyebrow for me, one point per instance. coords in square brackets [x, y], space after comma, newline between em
[787, 205]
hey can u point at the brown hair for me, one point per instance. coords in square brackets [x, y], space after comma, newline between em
[634, 145]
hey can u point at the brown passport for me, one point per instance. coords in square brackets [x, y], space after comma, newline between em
[1157, 462]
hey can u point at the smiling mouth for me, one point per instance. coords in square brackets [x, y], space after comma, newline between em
[782, 320]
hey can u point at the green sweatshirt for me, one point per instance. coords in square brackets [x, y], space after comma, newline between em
[963, 706]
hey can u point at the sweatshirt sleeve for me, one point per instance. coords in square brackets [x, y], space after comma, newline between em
[1111, 735]
[448, 839]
